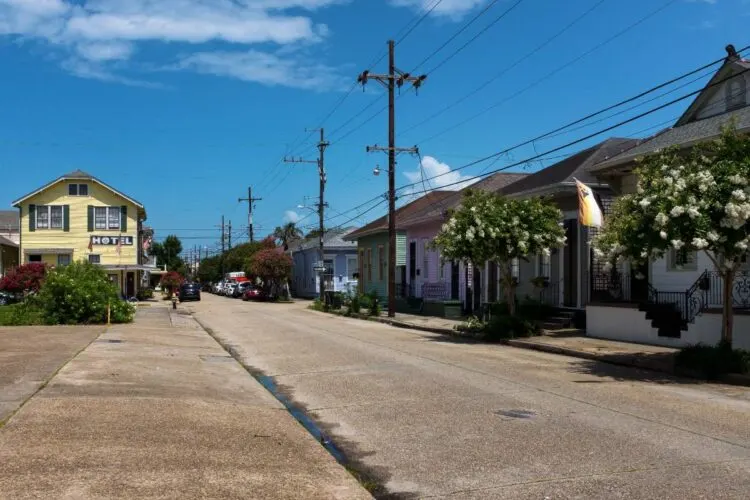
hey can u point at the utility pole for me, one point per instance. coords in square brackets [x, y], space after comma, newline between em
[222, 247]
[322, 145]
[250, 200]
[394, 78]
[229, 234]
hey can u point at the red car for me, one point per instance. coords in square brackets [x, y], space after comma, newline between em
[254, 293]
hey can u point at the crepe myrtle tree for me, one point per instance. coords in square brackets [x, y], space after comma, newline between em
[688, 202]
[487, 227]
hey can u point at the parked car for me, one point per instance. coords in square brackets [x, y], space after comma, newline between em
[7, 298]
[254, 292]
[218, 287]
[241, 288]
[229, 289]
[190, 291]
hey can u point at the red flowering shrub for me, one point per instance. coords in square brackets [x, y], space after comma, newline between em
[25, 278]
[171, 281]
[272, 266]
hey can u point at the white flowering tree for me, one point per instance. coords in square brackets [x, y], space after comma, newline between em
[699, 201]
[487, 227]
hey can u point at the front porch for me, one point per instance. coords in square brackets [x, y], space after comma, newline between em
[623, 307]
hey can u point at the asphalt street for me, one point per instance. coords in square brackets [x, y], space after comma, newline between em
[432, 417]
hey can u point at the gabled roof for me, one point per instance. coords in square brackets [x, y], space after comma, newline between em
[402, 214]
[332, 239]
[684, 136]
[689, 129]
[9, 219]
[564, 173]
[78, 175]
[436, 212]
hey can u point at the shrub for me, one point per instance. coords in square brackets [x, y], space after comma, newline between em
[509, 327]
[365, 301]
[713, 361]
[317, 305]
[375, 307]
[21, 314]
[171, 281]
[25, 278]
[354, 306]
[145, 293]
[79, 294]
[473, 325]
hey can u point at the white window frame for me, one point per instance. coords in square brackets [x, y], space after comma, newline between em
[672, 265]
[107, 213]
[48, 210]
[544, 265]
[98, 258]
[70, 259]
[515, 268]
[349, 270]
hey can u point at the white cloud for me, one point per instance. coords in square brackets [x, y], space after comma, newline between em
[263, 67]
[455, 9]
[291, 216]
[95, 32]
[447, 180]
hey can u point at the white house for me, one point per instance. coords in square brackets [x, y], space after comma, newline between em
[679, 301]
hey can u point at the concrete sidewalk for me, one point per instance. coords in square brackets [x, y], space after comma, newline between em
[156, 410]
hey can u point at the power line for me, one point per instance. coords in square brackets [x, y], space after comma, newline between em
[553, 72]
[506, 70]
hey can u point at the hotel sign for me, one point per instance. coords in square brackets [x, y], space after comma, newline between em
[112, 240]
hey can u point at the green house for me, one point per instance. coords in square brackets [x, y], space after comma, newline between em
[373, 247]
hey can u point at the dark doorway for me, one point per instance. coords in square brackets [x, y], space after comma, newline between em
[412, 267]
[454, 280]
[130, 285]
[570, 264]
[492, 282]
[477, 288]
[639, 287]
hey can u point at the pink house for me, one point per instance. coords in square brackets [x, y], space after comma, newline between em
[427, 277]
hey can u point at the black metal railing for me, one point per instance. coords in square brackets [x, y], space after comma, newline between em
[609, 286]
[713, 289]
[550, 293]
[435, 291]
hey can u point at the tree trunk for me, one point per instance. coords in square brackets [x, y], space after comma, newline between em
[728, 310]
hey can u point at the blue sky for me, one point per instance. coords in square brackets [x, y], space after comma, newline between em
[184, 103]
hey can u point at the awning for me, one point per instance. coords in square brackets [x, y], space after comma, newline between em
[8, 243]
[47, 251]
[121, 267]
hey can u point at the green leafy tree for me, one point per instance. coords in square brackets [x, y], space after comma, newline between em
[287, 234]
[81, 293]
[168, 252]
[487, 227]
[696, 201]
[236, 258]
[209, 270]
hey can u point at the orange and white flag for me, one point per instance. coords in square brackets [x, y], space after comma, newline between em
[589, 213]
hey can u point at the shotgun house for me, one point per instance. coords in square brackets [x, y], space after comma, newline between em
[684, 284]
[79, 217]
[339, 259]
[565, 271]
[429, 278]
[372, 247]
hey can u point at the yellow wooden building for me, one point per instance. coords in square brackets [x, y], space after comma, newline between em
[78, 217]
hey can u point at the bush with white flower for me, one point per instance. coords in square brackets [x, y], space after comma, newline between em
[487, 227]
[695, 201]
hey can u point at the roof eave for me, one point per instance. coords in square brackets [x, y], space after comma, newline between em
[138, 204]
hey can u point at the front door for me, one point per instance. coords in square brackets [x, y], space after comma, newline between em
[570, 264]
[412, 268]
[477, 288]
[639, 287]
[454, 280]
[130, 285]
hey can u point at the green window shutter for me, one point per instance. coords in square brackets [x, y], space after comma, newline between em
[91, 219]
[124, 218]
[66, 218]
[32, 217]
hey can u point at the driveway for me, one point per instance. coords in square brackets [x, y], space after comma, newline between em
[31, 355]
[432, 417]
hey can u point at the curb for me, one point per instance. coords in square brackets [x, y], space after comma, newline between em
[401, 324]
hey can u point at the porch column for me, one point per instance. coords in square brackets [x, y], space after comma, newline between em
[579, 243]
[561, 275]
